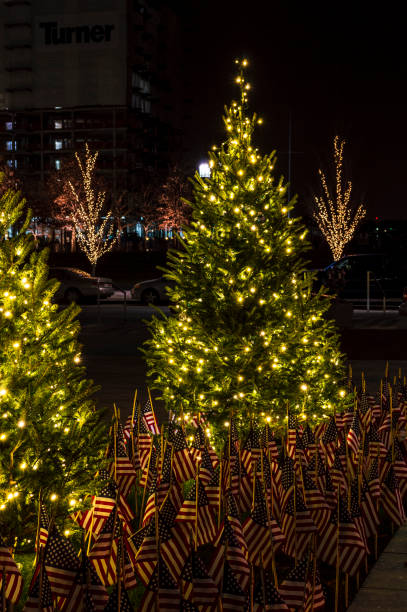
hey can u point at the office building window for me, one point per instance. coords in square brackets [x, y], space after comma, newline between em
[9, 125]
[12, 163]
[58, 124]
[58, 145]
[57, 164]
[9, 145]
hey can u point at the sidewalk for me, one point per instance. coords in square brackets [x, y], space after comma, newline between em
[385, 587]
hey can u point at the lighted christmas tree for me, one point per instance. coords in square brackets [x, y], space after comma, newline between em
[248, 335]
[51, 437]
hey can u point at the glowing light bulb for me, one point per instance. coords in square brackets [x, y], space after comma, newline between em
[303, 387]
[21, 423]
[53, 497]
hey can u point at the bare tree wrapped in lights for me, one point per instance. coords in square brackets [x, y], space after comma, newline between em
[93, 225]
[248, 333]
[335, 213]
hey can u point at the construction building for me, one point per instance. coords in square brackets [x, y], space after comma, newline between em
[105, 72]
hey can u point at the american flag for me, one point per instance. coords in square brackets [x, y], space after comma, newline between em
[292, 435]
[308, 441]
[61, 563]
[233, 596]
[266, 596]
[228, 546]
[13, 580]
[330, 491]
[352, 548]
[297, 525]
[39, 600]
[119, 601]
[87, 590]
[315, 501]
[103, 554]
[354, 434]
[102, 506]
[251, 449]
[232, 514]
[374, 480]
[197, 585]
[197, 513]
[368, 509]
[314, 594]
[376, 446]
[268, 441]
[292, 588]
[162, 592]
[145, 551]
[287, 479]
[43, 528]
[182, 463]
[391, 498]
[316, 469]
[329, 440]
[212, 489]
[400, 467]
[149, 418]
[205, 468]
[174, 537]
[121, 468]
[198, 444]
[166, 478]
[337, 474]
[385, 431]
[260, 533]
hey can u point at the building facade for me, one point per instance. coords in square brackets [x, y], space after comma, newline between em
[105, 72]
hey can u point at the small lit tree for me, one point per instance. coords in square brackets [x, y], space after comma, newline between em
[336, 215]
[93, 224]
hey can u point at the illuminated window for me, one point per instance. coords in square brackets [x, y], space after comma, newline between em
[58, 124]
[9, 125]
[57, 164]
[58, 145]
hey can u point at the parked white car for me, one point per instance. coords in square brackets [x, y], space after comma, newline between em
[152, 291]
[78, 285]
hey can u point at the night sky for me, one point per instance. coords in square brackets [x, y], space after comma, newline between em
[337, 68]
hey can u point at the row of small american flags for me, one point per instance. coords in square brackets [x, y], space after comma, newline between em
[251, 528]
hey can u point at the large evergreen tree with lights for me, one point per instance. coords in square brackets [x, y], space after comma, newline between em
[248, 335]
[51, 437]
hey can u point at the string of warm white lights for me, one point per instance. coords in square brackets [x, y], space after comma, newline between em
[335, 214]
[92, 229]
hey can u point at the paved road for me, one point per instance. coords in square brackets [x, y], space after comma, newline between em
[112, 339]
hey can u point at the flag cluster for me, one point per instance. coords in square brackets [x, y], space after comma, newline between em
[244, 529]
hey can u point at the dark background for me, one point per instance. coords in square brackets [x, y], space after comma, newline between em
[337, 67]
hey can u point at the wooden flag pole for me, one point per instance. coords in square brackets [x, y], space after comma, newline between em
[196, 504]
[3, 590]
[314, 569]
[251, 586]
[145, 487]
[220, 490]
[263, 585]
[132, 428]
[295, 520]
[337, 575]
[152, 408]
[37, 540]
[273, 557]
[157, 543]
